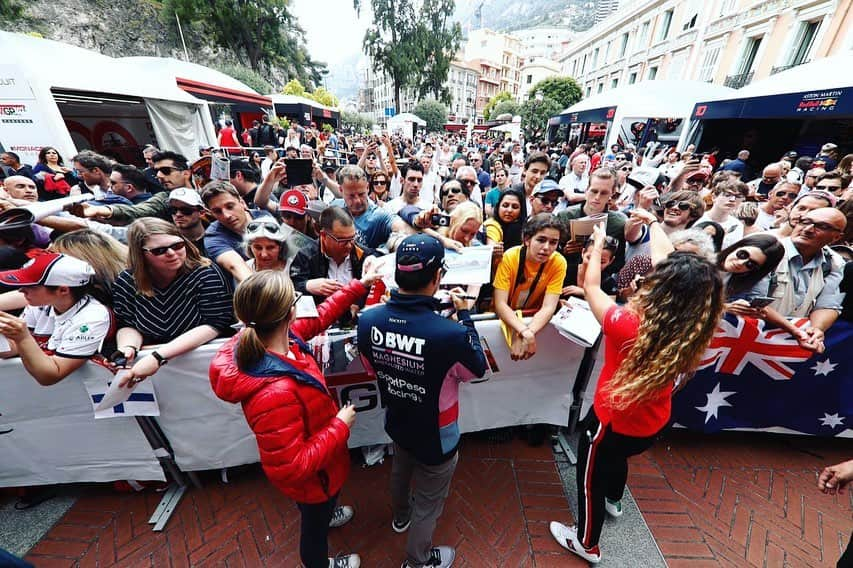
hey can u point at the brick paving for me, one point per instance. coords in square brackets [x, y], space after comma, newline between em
[730, 500]
[742, 499]
[501, 500]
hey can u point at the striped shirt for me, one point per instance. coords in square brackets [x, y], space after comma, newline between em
[199, 297]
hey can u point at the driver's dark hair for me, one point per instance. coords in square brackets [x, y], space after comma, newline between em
[544, 221]
[178, 159]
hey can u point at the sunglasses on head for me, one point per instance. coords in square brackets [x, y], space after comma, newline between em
[262, 225]
[185, 211]
[743, 254]
[167, 170]
[681, 205]
[160, 251]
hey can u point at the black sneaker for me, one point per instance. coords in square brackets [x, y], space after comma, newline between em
[342, 515]
[398, 527]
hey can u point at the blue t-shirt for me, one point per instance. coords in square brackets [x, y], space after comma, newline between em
[219, 239]
[373, 227]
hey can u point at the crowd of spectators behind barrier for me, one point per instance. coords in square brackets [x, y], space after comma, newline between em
[156, 256]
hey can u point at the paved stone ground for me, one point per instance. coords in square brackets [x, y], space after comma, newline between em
[742, 499]
[730, 500]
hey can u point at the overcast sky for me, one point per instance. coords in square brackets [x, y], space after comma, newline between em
[331, 28]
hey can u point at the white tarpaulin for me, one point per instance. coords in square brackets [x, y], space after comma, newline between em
[49, 435]
[178, 126]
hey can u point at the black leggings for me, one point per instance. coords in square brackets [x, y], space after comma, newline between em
[602, 471]
[314, 535]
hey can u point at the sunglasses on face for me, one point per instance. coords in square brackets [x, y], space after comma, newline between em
[415, 179]
[381, 182]
[339, 240]
[445, 192]
[468, 181]
[743, 254]
[626, 169]
[680, 205]
[546, 201]
[167, 170]
[185, 211]
[819, 226]
[160, 251]
[791, 194]
[828, 187]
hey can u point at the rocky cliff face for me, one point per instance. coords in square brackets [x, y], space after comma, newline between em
[118, 28]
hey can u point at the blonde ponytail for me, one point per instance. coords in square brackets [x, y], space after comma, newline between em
[263, 302]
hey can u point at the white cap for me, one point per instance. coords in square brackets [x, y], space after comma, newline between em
[186, 195]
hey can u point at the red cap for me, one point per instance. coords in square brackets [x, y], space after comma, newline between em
[49, 270]
[293, 201]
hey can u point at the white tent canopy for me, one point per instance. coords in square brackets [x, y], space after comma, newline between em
[49, 76]
[186, 70]
[294, 100]
[653, 98]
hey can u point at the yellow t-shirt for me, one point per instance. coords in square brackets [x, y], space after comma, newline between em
[551, 281]
[494, 231]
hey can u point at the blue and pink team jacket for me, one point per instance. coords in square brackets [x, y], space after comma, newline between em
[419, 358]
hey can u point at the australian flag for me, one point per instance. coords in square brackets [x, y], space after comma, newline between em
[755, 375]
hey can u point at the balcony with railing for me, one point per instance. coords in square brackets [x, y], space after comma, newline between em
[738, 81]
[775, 70]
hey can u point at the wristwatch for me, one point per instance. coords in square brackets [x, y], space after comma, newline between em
[160, 359]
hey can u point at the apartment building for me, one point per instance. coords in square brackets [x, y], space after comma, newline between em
[488, 83]
[547, 42]
[534, 70]
[502, 49]
[462, 82]
[728, 42]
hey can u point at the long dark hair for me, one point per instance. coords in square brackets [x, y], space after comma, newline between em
[512, 231]
[44, 151]
[717, 237]
[768, 244]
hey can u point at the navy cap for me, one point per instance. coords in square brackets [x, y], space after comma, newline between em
[419, 252]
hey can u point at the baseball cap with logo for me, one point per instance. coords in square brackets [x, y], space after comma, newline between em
[50, 269]
[828, 147]
[419, 252]
[186, 195]
[546, 186]
[293, 201]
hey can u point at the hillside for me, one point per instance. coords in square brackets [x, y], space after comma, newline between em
[509, 15]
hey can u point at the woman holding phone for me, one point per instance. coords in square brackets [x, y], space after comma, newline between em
[301, 433]
[650, 343]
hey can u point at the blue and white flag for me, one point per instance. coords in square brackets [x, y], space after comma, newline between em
[138, 401]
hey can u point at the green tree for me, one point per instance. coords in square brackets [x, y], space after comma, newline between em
[294, 87]
[358, 122]
[261, 32]
[535, 115]
[436, 40]
[324, 97]
[433, 112]
[252, 78]
[506, 107]
[500, 97]
[390, 41]
[564, 90]
[11, 11]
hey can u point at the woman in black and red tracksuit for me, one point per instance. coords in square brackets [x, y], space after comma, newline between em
[302, 435]
[658, 336]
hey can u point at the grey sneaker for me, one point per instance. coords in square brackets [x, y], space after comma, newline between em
[342, 515]
[613, 508]
[439, 557]
[345, 561]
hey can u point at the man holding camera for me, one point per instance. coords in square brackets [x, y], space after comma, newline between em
[419, 358]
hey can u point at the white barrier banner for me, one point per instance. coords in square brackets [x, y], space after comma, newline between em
[49, 435]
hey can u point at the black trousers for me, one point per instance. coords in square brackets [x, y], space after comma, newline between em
[602, 471]
[314, 535]
[846, 560]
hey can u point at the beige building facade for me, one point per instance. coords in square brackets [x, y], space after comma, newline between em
[728, 42]
[501, 49]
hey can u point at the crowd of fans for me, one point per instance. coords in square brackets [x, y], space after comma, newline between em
[155, 257]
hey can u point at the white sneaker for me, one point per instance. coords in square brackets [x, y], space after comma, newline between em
[440, 557]
[342, 515]
[345, 561]
[568, 539]
[613, 508]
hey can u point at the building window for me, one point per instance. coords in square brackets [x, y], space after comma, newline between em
[653, 72]
[600, 88]
[624, 47]
[750, 51]
[595, 58]
[614, 83]
[607, 52]
[691, 13]
[803, 43]
[583, 65]
[529, 79]
[666, 22]
[727, 7]
[632, 78]
[588, 91]
[709, 63]
[643, 40]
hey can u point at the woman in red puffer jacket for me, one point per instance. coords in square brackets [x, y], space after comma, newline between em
[302, 435]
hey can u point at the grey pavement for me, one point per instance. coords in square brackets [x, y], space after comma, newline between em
[21, 530]
[626, 541]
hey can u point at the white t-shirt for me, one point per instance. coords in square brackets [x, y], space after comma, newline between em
[764, 221]
[732, 226]
[393, 207]
[76, 333]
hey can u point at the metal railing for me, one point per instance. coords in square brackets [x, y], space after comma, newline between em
[775, 70]
[738, 81]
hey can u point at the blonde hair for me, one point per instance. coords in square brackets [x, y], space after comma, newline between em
[137, 234]
[262, 302]
[105, 255]
[460, 215]
[680, 304]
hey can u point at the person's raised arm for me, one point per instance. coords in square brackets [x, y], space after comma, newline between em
[659, 241]
[598, 301]
[232, 262]
[278, 174]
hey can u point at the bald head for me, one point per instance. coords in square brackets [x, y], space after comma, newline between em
[21, 187]
[743, 155]
[817, 229]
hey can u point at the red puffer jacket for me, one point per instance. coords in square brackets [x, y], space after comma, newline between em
[303, 445]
